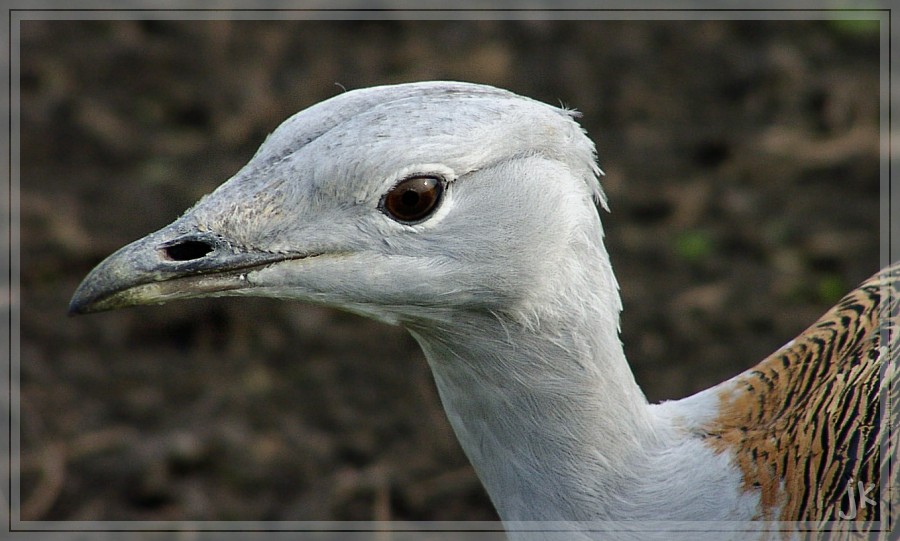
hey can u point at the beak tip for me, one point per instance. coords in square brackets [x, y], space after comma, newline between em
[82, 302]
[98, 291]
[76, 308]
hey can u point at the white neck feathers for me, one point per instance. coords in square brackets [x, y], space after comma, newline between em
[546, 407]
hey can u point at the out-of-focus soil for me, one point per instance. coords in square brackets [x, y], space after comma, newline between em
[742, 167]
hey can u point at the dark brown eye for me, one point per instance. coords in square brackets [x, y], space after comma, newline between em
[413, 199]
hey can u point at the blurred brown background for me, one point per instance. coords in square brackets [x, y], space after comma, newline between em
[742, 168]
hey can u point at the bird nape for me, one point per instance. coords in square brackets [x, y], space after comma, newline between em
[469, 215]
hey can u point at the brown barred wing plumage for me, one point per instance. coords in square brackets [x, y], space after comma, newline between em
[807, 425]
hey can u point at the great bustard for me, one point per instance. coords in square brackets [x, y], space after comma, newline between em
[469, 215]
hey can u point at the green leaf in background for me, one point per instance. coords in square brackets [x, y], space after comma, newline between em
[694, 246]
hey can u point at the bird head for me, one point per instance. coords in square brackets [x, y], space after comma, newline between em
[400, 202]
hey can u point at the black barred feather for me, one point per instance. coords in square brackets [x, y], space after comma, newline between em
[814, 423]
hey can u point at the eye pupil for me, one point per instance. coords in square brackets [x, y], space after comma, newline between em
[412, 199]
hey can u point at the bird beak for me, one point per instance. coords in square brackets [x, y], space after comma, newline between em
[165, 266]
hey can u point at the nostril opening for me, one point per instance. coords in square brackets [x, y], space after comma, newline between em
[187, 250]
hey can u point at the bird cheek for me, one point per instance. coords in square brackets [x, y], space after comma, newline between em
[282, 276]
[314, 279]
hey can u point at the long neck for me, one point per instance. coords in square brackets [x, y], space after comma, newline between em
[548, 411]
[547, 423]
[541, 397]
